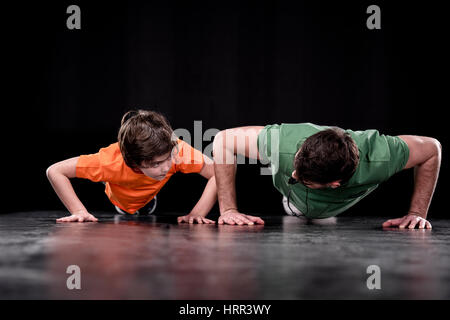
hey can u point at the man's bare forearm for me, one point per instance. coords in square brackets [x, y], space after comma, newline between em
[225, 171]
[226, 186]
[425, 179]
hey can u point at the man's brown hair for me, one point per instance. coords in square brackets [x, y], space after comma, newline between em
[327, 156]
[143, 135]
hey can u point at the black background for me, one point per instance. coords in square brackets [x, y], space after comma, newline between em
[225, 63]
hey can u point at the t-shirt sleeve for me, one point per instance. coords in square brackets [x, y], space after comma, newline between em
[387, 155]
[89, 167]
[266, 137]
[399, 154]
[189, 159]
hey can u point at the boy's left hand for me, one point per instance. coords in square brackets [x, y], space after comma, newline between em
[409, 221]
[194, 218]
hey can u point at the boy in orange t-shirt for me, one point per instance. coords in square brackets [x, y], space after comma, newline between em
[135, 169]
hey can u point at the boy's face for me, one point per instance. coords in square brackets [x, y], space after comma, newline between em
[158, 167]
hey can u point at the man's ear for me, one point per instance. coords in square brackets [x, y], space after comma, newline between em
[335, 184]
[294, 175]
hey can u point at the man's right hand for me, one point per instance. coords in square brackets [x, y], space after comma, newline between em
[235, 217]
[83, 216]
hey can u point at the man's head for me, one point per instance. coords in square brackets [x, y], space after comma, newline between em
[146, 142]
[326, 159]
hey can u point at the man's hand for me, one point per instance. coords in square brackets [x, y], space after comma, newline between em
[235, 217]
[191, 218]
[82, 216]
[409, 221]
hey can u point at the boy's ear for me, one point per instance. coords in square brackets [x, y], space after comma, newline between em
[137, 170]
[294, 175]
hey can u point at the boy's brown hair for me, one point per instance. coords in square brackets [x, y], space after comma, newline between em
[143, 135]
[327, 156]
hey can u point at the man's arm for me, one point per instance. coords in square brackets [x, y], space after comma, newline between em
[207, 199]
[425, 157]
[59, 174]
[227, 144]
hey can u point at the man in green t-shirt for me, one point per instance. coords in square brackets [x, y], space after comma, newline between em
[322, 171]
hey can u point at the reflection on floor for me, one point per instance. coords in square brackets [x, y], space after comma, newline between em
[155, 258]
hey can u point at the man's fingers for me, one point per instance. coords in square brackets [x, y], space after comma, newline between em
[208, 221]
[239, 219]
[254, 219]
[422, 224]
[199, 220]
[229, 221]
[393, 222]
[409, 221]
[243, 219]
[405, 222]
[414, 222]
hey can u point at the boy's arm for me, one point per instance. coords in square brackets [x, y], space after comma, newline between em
[425, 157]
[227, 144]
[59, 174]
[208, 198]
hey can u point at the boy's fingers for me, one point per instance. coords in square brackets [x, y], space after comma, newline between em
[67, 219]
[428, 225]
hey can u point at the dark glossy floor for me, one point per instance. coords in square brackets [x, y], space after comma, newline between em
[154, 258]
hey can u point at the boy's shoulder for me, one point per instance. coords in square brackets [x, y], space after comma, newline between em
[106, 157]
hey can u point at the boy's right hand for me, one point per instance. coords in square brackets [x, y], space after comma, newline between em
[83, 216]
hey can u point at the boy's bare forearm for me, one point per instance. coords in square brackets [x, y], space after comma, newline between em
[207, 200]
[64, 189]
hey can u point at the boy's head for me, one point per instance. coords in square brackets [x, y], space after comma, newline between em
[326, 159]
[146, 141]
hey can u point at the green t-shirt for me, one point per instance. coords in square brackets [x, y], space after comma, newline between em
[381, 156]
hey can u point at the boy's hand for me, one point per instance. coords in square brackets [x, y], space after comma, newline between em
[234, 217]
[191, 218]
[410, 221]
[83, 216]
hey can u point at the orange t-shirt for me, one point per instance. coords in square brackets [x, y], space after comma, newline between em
[126, 188]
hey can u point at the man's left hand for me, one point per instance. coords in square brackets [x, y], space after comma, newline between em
[409, 221]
